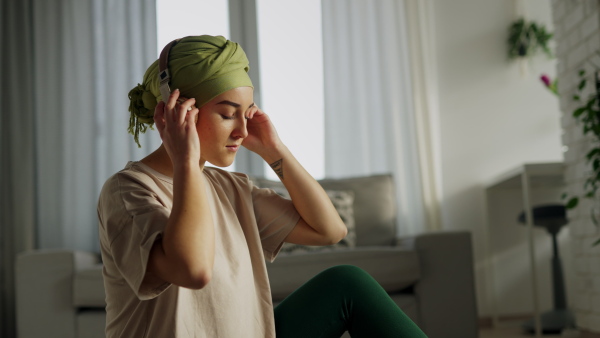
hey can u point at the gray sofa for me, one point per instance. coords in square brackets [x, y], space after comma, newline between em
[430, 276]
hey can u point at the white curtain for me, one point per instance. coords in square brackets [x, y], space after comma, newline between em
[370, 121]
[17, 191]
[421, 36]
[67, 68]
[88, 54]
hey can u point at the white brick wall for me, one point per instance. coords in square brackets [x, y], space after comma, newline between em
[577, 32]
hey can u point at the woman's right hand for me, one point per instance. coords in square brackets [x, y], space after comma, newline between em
[176, 124]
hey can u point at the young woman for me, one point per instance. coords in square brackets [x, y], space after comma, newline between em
[184, 245]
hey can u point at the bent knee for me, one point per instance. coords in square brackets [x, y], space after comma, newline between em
[346, 273]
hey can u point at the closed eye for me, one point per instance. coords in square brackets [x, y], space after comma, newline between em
[225, 117]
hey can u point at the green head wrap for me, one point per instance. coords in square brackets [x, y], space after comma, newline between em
[201, 67]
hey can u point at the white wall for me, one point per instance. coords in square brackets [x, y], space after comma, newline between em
[578, 35]
[492, 118]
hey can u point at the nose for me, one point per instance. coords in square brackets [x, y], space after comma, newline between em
[241, 130]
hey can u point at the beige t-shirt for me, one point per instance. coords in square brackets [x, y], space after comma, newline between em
[250, 225]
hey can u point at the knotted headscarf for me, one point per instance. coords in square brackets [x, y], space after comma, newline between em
[201, 67]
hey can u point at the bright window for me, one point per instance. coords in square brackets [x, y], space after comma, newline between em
[179, 18]
[291, 66]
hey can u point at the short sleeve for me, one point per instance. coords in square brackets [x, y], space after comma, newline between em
[134, 218]
[276, 217]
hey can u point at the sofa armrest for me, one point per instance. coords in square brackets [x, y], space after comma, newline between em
[446, 290]
[44, 292]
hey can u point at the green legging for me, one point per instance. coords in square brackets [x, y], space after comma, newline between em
[342, 298]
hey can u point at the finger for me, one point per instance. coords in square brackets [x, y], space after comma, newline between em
[171, 104]
[251, 112]
[192, 117]
[173, 99]
[257, 111]
[185, 108]
[159, 115]
[184, 101]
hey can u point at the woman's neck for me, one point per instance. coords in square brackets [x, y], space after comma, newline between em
[160, 161]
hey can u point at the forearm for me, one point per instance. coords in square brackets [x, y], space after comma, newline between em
[308, 197]
[189, 240]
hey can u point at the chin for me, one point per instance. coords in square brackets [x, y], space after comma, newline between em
[221, 163]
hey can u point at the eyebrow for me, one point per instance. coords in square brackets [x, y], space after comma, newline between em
[233, 104]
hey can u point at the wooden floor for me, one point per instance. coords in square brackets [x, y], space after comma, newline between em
[516, 332]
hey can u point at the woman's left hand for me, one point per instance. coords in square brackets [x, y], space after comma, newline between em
[262, 136]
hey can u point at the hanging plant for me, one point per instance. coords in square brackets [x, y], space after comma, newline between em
[526, 39]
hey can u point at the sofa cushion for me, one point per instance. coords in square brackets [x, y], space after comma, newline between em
[343, 201]
[394, 268]
[374, 205]
[88, 287]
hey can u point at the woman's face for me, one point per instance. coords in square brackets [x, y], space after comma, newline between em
[222, 125]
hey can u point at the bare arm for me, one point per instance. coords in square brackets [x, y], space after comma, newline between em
[185, 255]
[320, 223]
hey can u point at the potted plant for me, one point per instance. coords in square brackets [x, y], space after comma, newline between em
[526, 39]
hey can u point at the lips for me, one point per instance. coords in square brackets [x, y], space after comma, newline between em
[233, 147]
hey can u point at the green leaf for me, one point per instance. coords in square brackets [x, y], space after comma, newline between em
[563, 196]
[582, 84]
[593, 217]
[591, 153]
[589, 194]
[578, 112]
[596, 242]
[576, 98]
[581, 72]
[572, 203]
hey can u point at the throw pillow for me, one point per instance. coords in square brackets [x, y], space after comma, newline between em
[343, 201]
